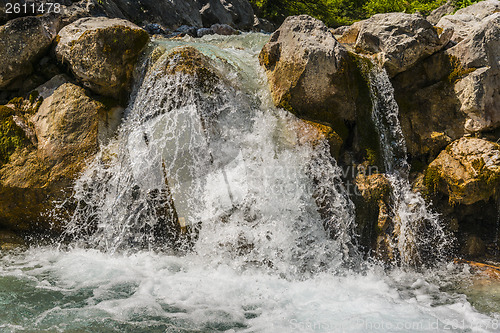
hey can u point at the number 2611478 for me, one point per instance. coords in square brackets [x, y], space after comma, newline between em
[32, 8]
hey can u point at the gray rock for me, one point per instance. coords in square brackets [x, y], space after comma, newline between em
[398, 40]
[482, 45]
[47, 89]
[236, 13]
[479, 94]
[481, 9]
[438, 13]
[479, 91]
[262, 25]
[223, 29]
[309, 71]
[102, 53]
[465, 20]
[340, 30]
[23, 41]
[204, 31]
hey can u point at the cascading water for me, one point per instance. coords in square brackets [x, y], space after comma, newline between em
[227, 167]
[209, 213]
[417, 230]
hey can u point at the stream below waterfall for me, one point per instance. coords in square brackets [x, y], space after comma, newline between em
[264, 259]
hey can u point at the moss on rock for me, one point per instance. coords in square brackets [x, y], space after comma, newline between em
[467, 171]
[12, 137]
[188, 60]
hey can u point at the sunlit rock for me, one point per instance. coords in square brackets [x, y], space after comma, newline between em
[310, 72]
[465, 20]
[467, 171]
[398, 40]
[67, 128]
[102, 53]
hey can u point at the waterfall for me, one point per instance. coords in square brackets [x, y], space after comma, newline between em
[417, 230]
[213, 211]
[216, 170]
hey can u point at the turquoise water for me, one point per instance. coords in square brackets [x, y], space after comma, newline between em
[47, 290]
[262, 262]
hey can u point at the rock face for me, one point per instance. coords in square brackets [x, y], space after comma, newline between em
[102, 53]
[398, 40]
[467, 171]
[452, 92]
[373, 218]
[430, 113]
[22, 41]
[171, 14]
[309, 71]
[66, 127]
[236, 13]
[479, 91]
[466, 19]
[482, 45]
[438, 13]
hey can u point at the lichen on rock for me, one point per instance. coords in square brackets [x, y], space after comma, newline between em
[310, 72]
[102, 53]
[67, 125]
[22, 41]
[12, 137]
[467, 171]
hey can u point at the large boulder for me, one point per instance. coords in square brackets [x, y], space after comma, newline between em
[479, 94]
[467, 171]
[452, 92]
[398, 40]
[67, 128]
[429, 107]
[482, 45]
[171, 14]
[309, 72]
[445, 9]
[236, 13]
[23, 41]
[479, 91]
[466, 19]
[102, 53]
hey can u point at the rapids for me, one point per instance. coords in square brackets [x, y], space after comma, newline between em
[254, 253]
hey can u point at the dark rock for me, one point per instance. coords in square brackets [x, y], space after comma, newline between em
[263, 25]
[223, 29]
[22, 42]
[154, 29]
[187, 30]
[236, 13]
[169, 14]
[204, 31]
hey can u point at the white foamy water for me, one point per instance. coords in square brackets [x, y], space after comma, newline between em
[90, 291]
[207, 213]
[418, 233]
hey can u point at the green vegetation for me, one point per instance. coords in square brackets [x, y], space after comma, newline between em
[344, 12]
[11, 135]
